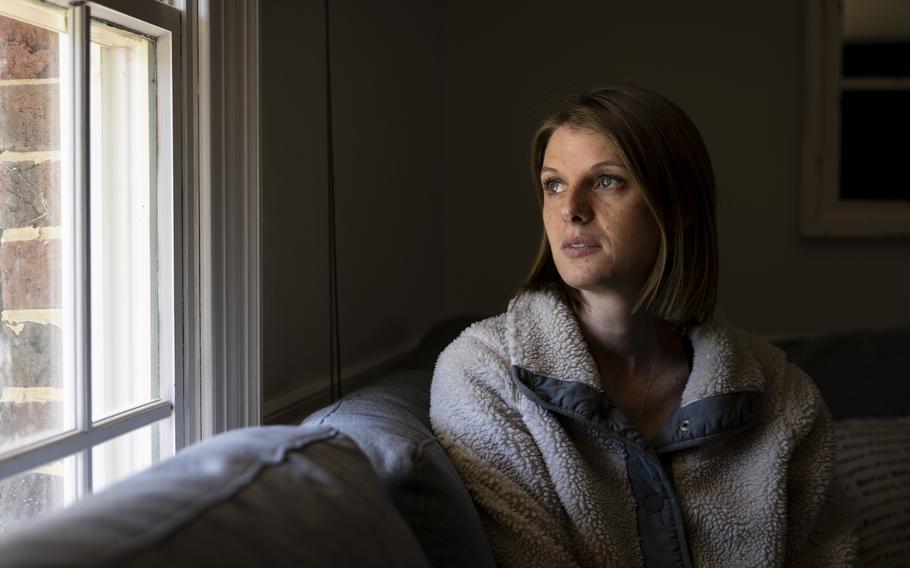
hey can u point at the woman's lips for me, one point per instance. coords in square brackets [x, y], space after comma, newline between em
[579, 249]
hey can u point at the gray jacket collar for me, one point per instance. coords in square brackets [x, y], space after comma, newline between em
[552, 365]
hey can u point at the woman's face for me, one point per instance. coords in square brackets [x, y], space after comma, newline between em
[602, 235]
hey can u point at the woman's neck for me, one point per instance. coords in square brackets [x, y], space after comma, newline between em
[625, 342]
[642, 360]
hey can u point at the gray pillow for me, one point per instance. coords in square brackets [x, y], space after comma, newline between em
[873, 465]
[877, 358]
[390, 423]
[269, 496]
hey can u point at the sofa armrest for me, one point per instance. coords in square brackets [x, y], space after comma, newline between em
[268, 496]
[390, 423]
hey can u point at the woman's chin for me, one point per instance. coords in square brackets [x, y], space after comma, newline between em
[585, 284]
[601, 287]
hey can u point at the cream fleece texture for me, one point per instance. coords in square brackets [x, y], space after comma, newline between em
[555, 492]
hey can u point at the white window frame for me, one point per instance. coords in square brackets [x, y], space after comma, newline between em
[210, 377]
[823, 213]
[229, 388]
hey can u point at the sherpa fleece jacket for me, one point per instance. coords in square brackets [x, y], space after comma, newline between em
[740, 475]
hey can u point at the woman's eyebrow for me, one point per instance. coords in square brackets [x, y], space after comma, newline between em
[607, 163]
[596, 166]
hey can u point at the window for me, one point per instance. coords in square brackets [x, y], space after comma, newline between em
[88, 248]
[856, 113]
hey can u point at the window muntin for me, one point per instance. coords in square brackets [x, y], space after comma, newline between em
[130, 453]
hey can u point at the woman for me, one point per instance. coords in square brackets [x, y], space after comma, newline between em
[609, 417]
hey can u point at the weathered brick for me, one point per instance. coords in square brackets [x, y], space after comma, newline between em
[33, 354]
[25, 496]
[30, 274]
[29, 194]
[25, 419]
[27, 51]
[29, 118]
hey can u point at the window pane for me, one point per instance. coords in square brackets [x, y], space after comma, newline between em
[130, 453]
[36, 396]
[876, 59]
[876, 37]
[41, 490]
[124, 297]
[874, 144]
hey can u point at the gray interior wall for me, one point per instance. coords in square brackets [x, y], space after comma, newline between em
[735, 67]
[386, 83]
[388, 187]
[434, 106]
[295, 288]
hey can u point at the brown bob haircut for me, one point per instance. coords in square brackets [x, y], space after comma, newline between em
[666, 156]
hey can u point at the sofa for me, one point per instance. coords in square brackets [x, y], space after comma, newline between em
[363, 482]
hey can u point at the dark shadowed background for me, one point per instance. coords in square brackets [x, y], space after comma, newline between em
[434, 104]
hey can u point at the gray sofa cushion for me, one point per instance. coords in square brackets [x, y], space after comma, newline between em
[270, 496]
[390, 423]
[865, 373]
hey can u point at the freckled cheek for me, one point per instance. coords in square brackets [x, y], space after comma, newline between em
[549, 224]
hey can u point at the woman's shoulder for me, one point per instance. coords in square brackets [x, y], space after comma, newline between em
[472, 376]
[736, 359]
[530, 315]
[794, 411]
[780, 372]
[483, 336]
[494, 332]
[477, 353]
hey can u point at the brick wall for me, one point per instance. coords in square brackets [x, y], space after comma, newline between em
[30, 258]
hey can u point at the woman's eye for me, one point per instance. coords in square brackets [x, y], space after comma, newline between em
[608, 182]
[553, 186]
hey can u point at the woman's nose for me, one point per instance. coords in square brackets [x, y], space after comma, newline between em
[576, 208]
